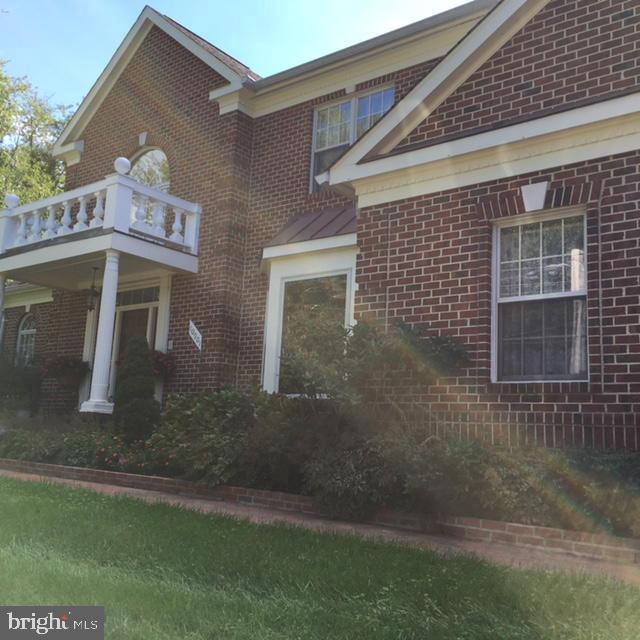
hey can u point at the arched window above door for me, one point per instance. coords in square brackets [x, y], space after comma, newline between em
[152, 169]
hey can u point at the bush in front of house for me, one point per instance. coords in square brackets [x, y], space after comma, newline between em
[19, 387]
[136, 411]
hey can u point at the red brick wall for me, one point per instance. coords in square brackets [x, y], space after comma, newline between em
[59, 331]
[427, 261]
[164, 91]
[280, 181]
[572, 51]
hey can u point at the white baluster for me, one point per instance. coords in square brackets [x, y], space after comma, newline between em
[81, 218]
[36, 226]
[65, 226]
[177, 236]
[158, 219]
[21, 234]
[51, 223]
[141, 213]
[98, 211]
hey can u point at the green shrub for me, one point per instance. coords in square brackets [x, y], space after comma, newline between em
[32, 445]
[206, 433]
[136, 413]
[19, 387]
[352, 482]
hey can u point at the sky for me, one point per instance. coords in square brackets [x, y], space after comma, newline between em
[62, 46]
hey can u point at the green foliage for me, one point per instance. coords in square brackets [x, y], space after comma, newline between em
[19, 387]
[353, 481]
[29, 125]
[354, 366]
[136, 413]
[207, 433]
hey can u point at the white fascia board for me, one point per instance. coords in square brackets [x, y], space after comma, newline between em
[25, 295]
[619, 135]
[309, 246]
[460, 63]
[574, 118]
[147, 19]
[65, 251]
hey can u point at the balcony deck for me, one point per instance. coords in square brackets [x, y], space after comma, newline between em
[54, 242]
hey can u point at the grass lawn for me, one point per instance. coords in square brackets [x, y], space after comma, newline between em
[164, 573]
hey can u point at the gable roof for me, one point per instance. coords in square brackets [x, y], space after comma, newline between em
[487, 37]
[229, 68]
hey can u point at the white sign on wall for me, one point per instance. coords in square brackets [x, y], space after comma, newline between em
[195, 335]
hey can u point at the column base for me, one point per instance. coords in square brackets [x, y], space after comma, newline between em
[97, 406]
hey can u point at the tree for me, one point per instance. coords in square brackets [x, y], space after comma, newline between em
[136, 412]
[29, 126]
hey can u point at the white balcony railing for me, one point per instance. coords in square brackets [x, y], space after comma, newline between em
[117, 203]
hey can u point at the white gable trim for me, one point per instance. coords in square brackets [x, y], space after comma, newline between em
[595, 131]
[147, 19]
[460, 63]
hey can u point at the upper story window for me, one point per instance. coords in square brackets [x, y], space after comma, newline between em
[152, 169]
[26, 342]
[540, 300]
[338, 126]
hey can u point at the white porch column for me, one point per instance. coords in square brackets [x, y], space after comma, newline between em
[3, 281]
[98, 401]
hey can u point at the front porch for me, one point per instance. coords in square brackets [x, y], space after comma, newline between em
[104, 238]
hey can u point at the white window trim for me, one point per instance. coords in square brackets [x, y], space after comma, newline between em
[294, 268]
[513, 221]
[353, 99]
[21, 334]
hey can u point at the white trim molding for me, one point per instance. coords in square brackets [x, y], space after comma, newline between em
[309, 246]
[138, 32]
[540, 215]
[497, 27]
[18, 294]
[291, 268]
[581, 134]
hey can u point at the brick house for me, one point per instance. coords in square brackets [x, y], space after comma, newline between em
[476, 173]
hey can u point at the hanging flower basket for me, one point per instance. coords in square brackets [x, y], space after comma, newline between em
[164, 365]
[67, 371]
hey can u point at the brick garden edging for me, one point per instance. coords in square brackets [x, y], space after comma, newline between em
[586, 545]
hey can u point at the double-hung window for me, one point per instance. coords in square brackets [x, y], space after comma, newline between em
[26, 343]
[339, 125]
[540, 299]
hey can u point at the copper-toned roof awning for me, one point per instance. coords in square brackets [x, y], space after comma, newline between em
[334, 221]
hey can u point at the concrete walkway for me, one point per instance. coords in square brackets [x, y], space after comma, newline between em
[492, 552]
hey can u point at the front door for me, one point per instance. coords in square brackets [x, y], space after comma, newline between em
[131, 323]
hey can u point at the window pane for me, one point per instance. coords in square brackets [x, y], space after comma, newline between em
[322, 119]
[321, 139]
[345, 112]
[376, 103]
[530, 241]
[510, 280]
[509, 244]
[532, 358]
[152, 169]
[512, 358]
[345, 130]
[313, 312]
[363, 107]
[324, 159]
[361, 126]
[553, 344]
[552, 274]
[552, 237]
[387, 99]
[532, 319]
[573, 234]
[530, 277]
